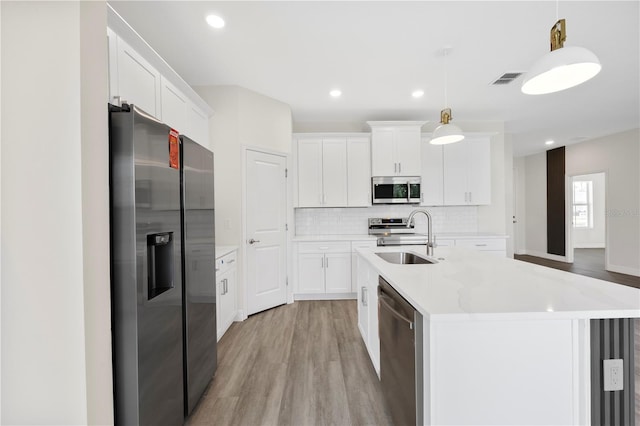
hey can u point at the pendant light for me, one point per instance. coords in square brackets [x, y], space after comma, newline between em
[561, 68]
[446, 132]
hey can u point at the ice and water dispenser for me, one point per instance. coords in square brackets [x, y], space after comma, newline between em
[160, 263]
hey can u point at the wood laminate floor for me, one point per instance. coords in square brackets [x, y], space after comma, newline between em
[298, 364]
[589, 262]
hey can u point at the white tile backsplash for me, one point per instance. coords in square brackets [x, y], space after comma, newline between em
[331, 221]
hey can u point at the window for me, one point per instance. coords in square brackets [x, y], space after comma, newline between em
[583, 204]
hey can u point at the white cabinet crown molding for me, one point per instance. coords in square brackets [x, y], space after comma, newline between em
[396, 123]
[131, 36]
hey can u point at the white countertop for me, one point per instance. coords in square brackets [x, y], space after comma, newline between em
[224, 250]
[347, 237]
[469, 284]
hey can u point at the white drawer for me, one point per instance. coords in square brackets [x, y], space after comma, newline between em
[445, 243]
[226, 262]
[363, 244]
[483, 244]
[325, 247]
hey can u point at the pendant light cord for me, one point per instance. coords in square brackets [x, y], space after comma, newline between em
[446, 105]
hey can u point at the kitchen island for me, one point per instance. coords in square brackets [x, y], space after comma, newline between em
[504, 342]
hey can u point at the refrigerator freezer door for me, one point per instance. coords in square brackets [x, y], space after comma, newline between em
[199, 270]
[146, 291]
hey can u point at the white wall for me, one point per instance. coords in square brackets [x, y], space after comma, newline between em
[95, 211]
[618, 156]
[592, 237]
[520, 236]
[535, 195]
[56, 358]
[242, 117]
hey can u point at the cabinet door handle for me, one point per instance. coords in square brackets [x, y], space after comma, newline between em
[470, 194]
[326, 262]
[399, 167]
[395, 167]
[363, 296]
[322, 262]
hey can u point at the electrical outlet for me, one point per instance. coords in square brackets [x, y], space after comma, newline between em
[613, 374]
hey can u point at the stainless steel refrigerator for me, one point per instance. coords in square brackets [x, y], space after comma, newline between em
[162, 269]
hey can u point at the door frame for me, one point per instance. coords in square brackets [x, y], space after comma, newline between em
[569, 214]
[244, 300]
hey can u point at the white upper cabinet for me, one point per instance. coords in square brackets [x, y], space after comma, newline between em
[138, 81]
[197, 124]
[333, 170]
[467, 172]
[358, 171]
[310, 172]
[383, 157]
[395, 148]
[174, 106]
[138, 76]
[432, 185]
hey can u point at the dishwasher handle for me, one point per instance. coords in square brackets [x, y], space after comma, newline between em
[382, 299]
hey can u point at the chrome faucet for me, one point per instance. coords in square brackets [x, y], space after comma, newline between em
[430, 243]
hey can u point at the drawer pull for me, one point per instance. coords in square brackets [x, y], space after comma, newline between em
[481, 245]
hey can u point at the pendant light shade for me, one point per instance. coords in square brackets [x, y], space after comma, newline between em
[446, 132]
[562, 68]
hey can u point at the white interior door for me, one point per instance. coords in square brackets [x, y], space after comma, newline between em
[265, 211]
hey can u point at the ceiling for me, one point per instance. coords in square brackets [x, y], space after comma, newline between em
[377, 53]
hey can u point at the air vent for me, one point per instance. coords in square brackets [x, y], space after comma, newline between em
[506, 78]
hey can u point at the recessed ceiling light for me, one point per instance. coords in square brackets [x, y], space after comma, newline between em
[418, 93]
[549, 142]
[335, 93]
[215, 21]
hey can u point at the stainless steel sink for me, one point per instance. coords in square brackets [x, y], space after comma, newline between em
[404, 258]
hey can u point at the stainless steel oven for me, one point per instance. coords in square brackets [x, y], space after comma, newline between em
[395, 190]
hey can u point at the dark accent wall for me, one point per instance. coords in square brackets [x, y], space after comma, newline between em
[612, 339]
[556, 202]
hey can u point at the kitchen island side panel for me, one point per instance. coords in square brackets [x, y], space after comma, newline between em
[503, 372]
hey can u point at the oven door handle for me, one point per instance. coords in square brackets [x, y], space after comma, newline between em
[383, 303]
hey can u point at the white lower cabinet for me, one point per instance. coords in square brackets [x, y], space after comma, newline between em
[324, 268]
[226, 286]
[354, 263]
[496, 245]
[368, 310]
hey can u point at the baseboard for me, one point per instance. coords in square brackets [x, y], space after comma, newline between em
[545, 255]
[624, 270]
[240, 316]
[589, 245]
[326, 296]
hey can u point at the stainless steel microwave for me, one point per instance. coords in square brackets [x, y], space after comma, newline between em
[395, 190]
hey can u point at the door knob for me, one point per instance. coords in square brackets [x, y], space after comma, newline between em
[252, 241]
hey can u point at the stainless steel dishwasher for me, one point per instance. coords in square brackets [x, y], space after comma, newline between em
[401, 374]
